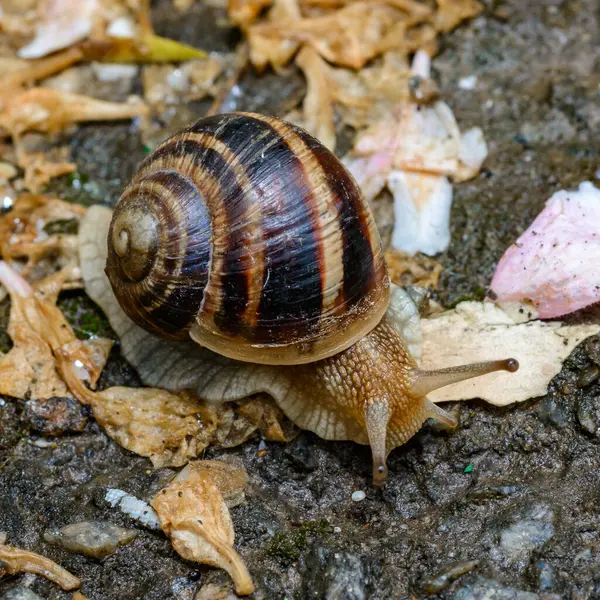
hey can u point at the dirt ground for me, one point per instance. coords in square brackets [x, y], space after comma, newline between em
[509, 499]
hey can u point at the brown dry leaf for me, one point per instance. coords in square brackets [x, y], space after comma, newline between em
[167, 428]
[25, 241]
[230, 477]
[38, 329]
[192, 512]
[453, 12]
[476, 331]
[15, 560]
[245, 12]
[49, 111]
[79, 596]
[405, 269]
[39, 170]
[265, 415]
[15, 74]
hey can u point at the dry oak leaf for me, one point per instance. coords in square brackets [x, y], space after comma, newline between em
[15, 560]
[476, 331]
[193, 514]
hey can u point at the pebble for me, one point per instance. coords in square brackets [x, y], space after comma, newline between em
[358, 496]
[335, 576]
[468, 83]
[92, 538]
[588, 415]
[488, 589]
[530, 532]
[20, 593]
[337, 530]
[133, 507]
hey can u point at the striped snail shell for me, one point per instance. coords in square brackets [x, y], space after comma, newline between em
[247, 234]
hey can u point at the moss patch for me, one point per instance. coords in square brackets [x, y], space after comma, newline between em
[84, 316]
[287, 545]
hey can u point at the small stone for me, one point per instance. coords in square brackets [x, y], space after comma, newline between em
[545, 574]
[335, 576]
[528, 533]
[92, 538]
[468, 83]
[588, 376]
[337, 530]
[488, 589]
[358, 496]
[588, 415]
[56, 415]
[20, 593]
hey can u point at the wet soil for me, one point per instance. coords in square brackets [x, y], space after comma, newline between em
[503, 507]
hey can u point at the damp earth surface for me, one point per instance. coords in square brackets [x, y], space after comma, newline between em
[505, 507]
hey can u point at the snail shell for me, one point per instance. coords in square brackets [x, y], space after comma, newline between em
[247, 234]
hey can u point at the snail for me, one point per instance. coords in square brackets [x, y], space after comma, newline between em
[243, 258]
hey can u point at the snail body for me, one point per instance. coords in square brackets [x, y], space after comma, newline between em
[243, 258]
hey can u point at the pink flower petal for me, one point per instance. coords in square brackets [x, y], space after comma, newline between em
[555, 264]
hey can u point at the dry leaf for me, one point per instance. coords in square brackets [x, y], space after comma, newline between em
[26, 235]
[265, 415]
[413, 150]
[194, 515]
[405, 269]
[476, 332]
[38, 329]
[169, 429]
[15, 560]
[452, 12]
[48, 111]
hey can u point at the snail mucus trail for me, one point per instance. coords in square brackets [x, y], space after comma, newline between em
[245, 235]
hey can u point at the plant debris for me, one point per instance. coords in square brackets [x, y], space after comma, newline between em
[194, 516]
[405, 269]
[553, 266]
[479, 331]
[15, 560]
[33, 239]
[38, 331]
[413, 151]
[321, 35]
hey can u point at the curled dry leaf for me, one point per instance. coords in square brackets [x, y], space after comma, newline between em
[413, 151]
[33, 233]
[38, 330]
[230, 477]
[553, 266]
[405, 269]
[194, 515]
[15, 560]
[452, 12]
[477, 331]
[48, 111]
[350, 36]
[169, 429]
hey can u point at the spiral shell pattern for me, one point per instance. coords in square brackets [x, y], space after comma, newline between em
[247, 234]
